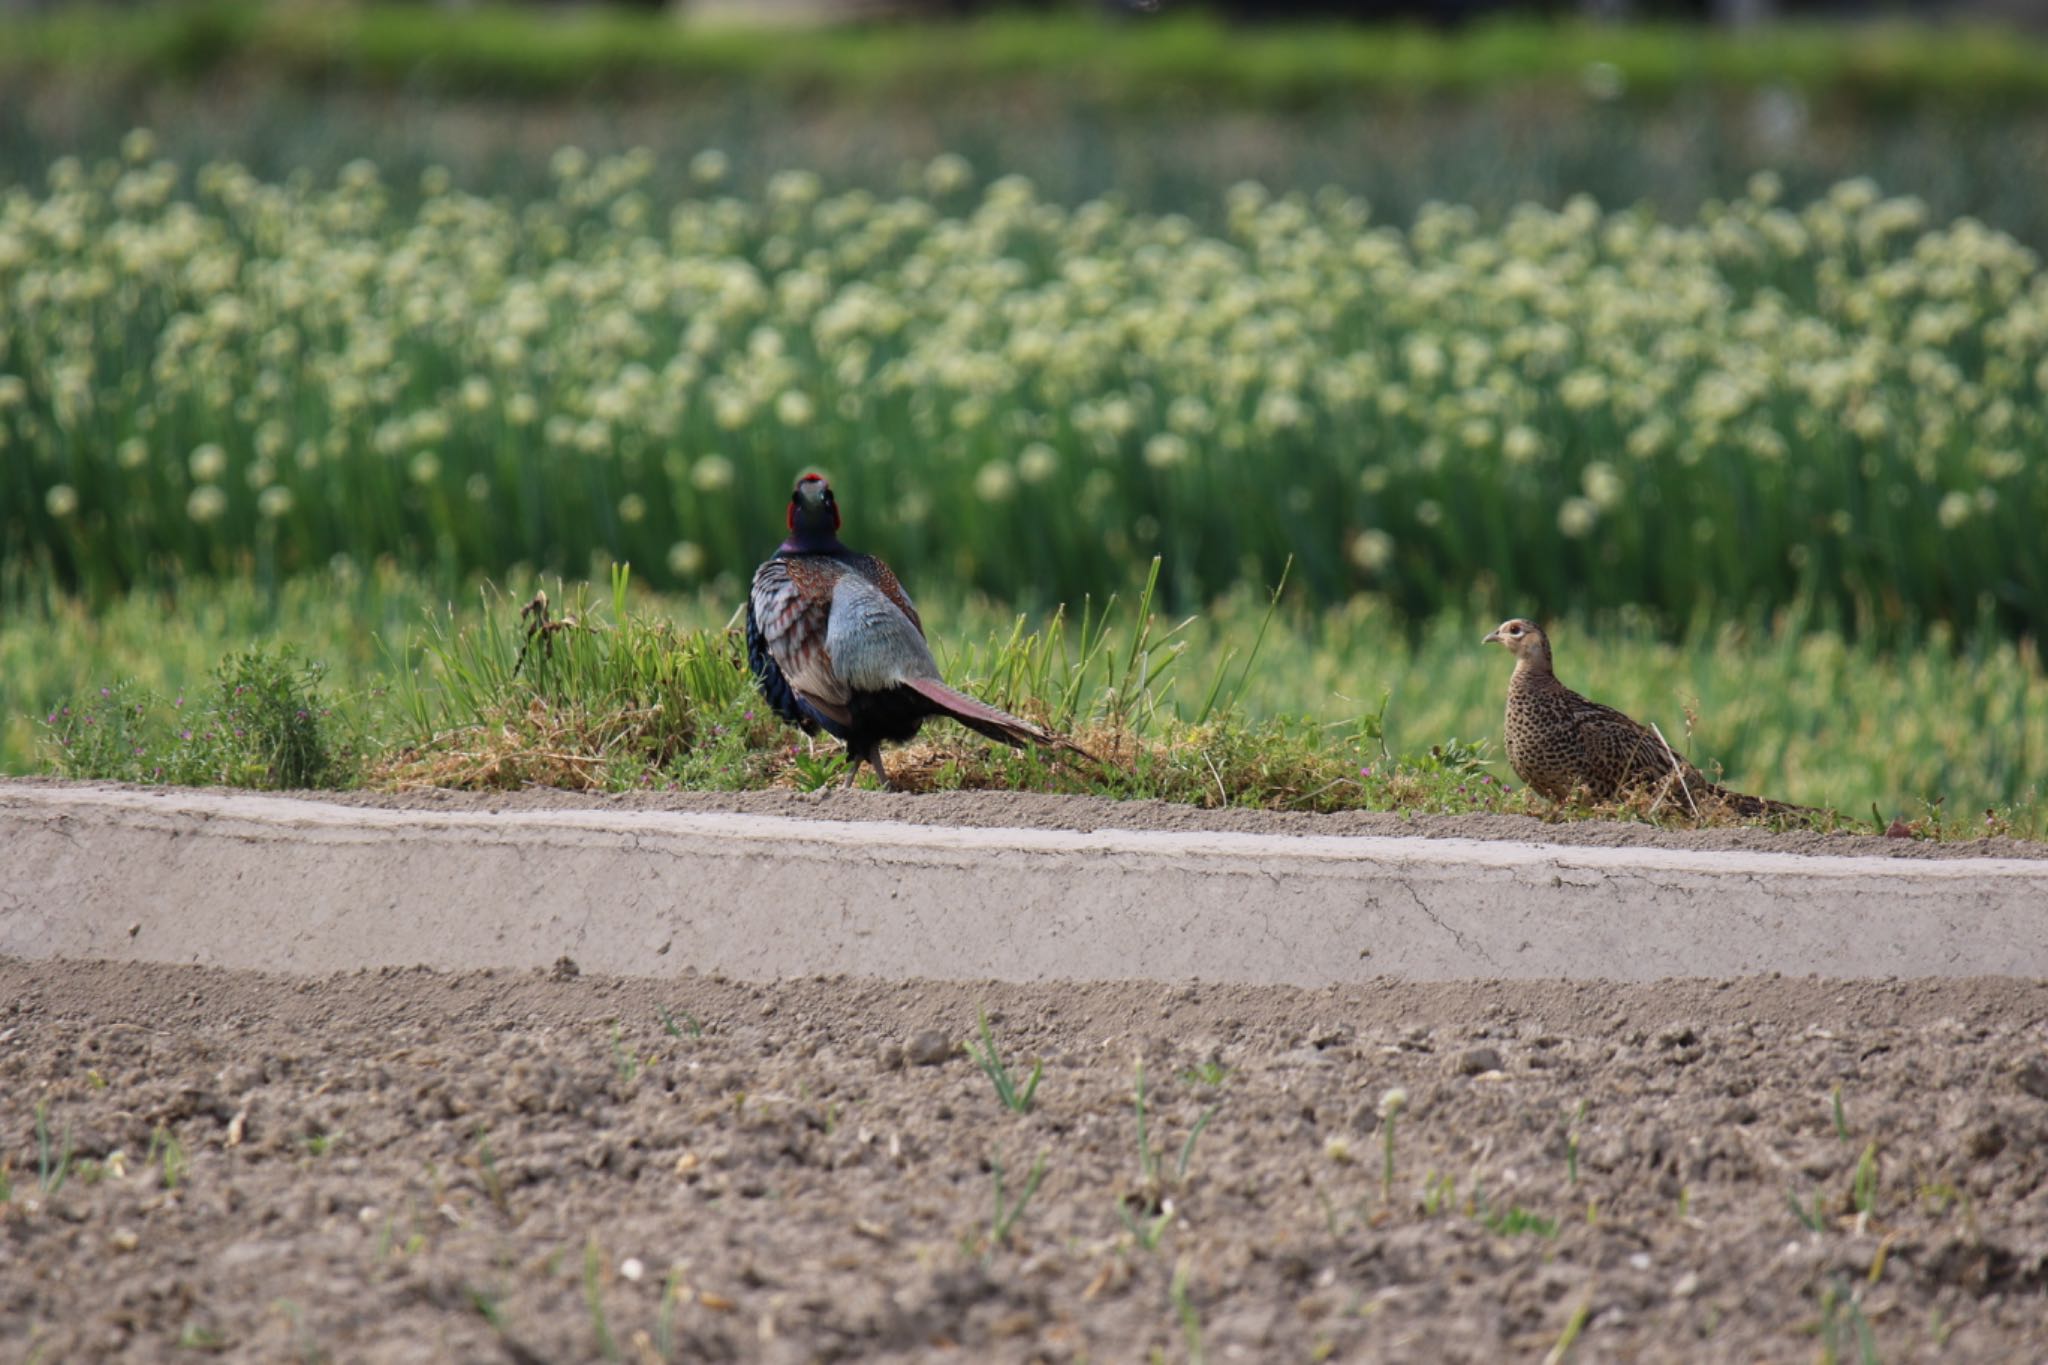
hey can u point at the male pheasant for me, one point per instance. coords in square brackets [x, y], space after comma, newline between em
[1559, 742]
[836, 645]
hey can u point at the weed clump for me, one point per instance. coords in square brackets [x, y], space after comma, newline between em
[268, 724]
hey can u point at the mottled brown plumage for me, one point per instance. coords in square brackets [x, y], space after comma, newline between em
[1559, 742]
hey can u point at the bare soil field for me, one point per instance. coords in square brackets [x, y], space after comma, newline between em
[406, 1165]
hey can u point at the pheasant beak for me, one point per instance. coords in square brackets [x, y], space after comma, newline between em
[1493, 637]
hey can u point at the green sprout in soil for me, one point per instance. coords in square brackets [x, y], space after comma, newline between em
[1835, 1299]
[1391, 1104]
[990, 1060]
[624, 1063]
[1863, 1184]
[1008, 1211]
[1184, 1308]
[196, 1337]
[1147, 1232]
[1571, 1144]
[1841, 1123]
[674, 1030]
[1561, 1351]
[486, 1305]
[1187, 1147]
[593, 1298]
[487, 1171]
[1439, 1192]
[1148, 1156]
[166, 1149]
[50, 1174]
[665, 1319]
[1511, 1221]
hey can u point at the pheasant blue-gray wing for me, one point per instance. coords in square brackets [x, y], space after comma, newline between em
[872, 644]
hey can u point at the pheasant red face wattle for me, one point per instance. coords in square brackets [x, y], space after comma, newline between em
[811, 505]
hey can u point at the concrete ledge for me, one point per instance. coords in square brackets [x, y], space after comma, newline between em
[286, 884]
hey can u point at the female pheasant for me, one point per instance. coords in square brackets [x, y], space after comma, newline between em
[836, 645]
[1559, 742]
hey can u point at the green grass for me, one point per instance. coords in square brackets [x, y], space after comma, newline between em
[1014, 1098]
[1839, 402]
[500, 48]
[1339, 708]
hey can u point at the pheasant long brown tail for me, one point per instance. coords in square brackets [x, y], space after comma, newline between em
[1754, 807]
[984, 719]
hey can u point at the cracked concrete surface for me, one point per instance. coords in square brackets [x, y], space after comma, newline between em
[302, 885]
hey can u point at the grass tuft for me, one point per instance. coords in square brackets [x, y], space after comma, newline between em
[1007, 1210]
[1014, 1098]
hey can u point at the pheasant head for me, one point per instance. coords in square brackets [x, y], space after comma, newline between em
[813, 516]
[1525, 640]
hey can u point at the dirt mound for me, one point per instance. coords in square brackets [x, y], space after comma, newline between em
[1034, 810]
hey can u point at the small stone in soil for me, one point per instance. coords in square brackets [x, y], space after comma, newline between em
[1474, 1060]
[928, 1047]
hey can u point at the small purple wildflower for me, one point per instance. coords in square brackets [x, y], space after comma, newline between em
[106, 691]
[185, 734]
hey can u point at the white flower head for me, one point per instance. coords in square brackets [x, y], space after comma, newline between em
[1576, 517]
[206, 503]
[711, 474]
[995, 482]
[686, 559]
[709, 166]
